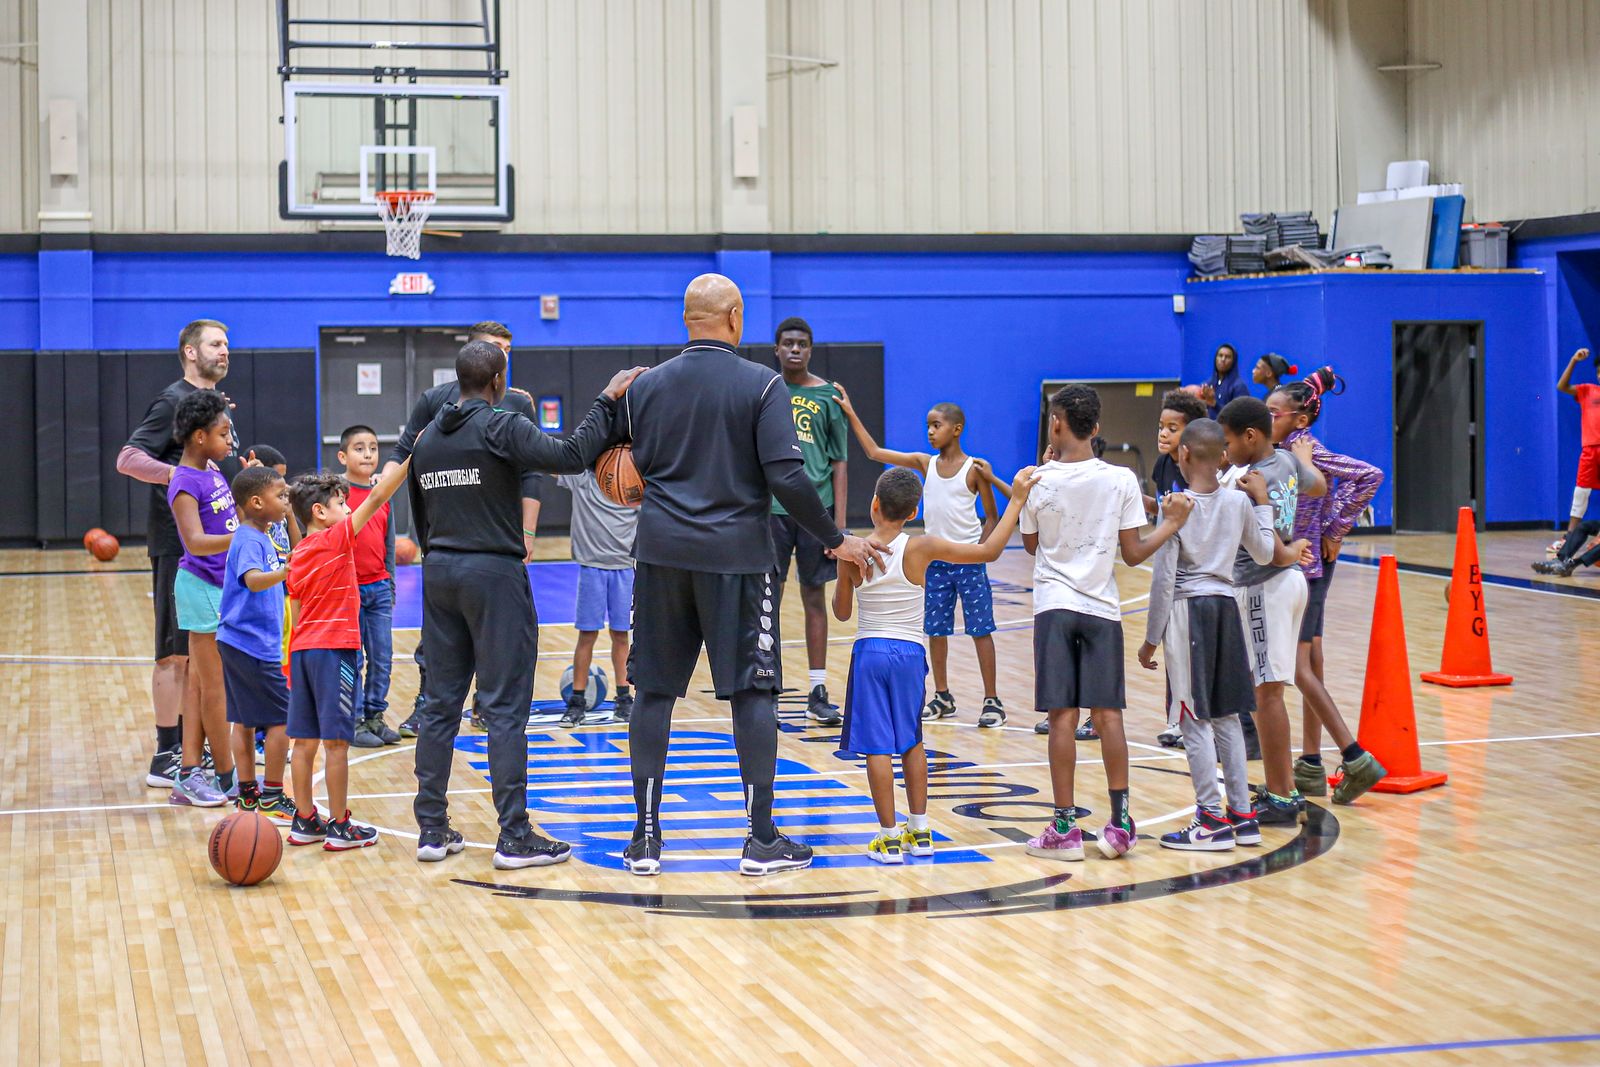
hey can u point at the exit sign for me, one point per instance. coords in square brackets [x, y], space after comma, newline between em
[411, 283]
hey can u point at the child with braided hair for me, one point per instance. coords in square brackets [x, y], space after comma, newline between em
[1323, 521]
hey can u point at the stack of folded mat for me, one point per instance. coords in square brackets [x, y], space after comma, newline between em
[1289, 228]
[1229, 254]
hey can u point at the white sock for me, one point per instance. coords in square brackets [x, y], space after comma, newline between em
[888, 831]
[917, 822]
[818, 676]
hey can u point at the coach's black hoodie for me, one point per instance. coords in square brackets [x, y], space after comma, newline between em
[467, 466]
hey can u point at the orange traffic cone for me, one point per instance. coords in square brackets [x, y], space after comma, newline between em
[1388, 718]
[1465, 661]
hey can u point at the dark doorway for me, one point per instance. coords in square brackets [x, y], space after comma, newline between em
[1129, 413]
[1438, 416]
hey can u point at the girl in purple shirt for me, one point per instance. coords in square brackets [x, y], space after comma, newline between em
[1323, 521]
[202, 507]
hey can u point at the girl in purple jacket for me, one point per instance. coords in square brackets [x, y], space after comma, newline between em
[1323, 521]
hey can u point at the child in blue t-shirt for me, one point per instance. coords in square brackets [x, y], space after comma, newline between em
[250, 640]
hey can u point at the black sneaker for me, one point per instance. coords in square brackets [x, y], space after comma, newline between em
[818, 708]
[408, 729]
[477, 720]
[1273, 811]
[435, 845]
[1043, 725]
[993, 713]
[365, 736]
[345, 834]
[770, 857]
[386, 733]
[942, 706]
[308, 830]
[1085, 730]
[642, 857]
[1246, 828]
[1557, 568]
[529, 850]
[624, 709]
[164, 766]
[575, 713]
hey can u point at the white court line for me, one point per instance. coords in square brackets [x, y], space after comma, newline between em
[1164, 754]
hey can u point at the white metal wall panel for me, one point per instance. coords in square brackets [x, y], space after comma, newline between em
[1050, 115]
[19, 117]
[1514, 113]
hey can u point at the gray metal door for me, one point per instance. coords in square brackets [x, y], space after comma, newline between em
[1438, 449]
[366, 381]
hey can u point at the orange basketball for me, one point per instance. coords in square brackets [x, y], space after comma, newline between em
[245, 848]
[88, 538]
[618, 477]
[405, 551]
[104, 548]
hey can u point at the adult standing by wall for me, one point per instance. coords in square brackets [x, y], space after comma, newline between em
[478, 613]
[714, 439]
[150, 456]
[428, 405]
[822, 430]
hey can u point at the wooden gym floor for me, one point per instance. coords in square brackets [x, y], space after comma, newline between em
[1448, 919]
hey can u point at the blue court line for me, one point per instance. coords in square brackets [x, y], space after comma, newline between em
[1399, 1050]
[1532, 585]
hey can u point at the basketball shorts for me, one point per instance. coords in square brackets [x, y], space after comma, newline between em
[322, 694]
[1316, 602]
[811, 560]
[1208, 669]
[258, 694]
[1077, 661]
[171, 639]
[1589, 467]
[883, 700]
[605, 599]
[677, 611]
[199, 603]
[1270, 613]
[947, 581]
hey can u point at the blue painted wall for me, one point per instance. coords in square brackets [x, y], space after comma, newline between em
[1347, 320]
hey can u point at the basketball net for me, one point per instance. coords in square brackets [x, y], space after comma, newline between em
[404, 212]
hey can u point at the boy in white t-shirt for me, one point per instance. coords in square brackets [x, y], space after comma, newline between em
[1077, 517]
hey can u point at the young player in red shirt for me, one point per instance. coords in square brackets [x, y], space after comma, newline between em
[358, 451]
[324, 648]
[1568, 556]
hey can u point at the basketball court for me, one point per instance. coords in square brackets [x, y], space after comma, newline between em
[976, 203]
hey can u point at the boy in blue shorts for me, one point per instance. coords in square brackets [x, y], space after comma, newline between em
[250, 641]
[602, 544]
[882, 716]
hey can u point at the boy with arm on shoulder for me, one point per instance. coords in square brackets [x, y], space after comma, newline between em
[250, 642]
[324, 648]
[1195, 618]
[358, 453]
[887, 666]
[953, 482]
[1080, 514]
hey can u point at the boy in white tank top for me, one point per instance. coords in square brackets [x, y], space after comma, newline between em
[884, 697]
[954, 481]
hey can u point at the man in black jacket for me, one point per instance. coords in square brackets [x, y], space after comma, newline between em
[478, 613]
[428, 405]
[714, 439]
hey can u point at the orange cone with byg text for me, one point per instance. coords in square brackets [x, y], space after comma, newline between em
[1465, 661]
[1388, 717]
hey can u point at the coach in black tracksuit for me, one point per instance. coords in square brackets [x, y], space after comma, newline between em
[478, 613]
[713, 436]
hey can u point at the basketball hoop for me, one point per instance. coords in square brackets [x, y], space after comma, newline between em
[404, 212]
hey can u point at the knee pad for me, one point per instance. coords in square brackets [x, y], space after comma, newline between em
[1580, 502]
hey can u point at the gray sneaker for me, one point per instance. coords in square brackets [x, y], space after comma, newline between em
[366, 736]
[1310, 778]
[196, 791]
[1359, 777]
[386, 733]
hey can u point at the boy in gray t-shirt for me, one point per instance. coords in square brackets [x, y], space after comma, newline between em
[1194, 616]
[602, 545]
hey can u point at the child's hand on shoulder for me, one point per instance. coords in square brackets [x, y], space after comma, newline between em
[842, 398]
[1050, 454]
[1302, 548]
[1026, 479]
[1302, 450]
[1177, 506]
[1147, 656]
[1255, 486]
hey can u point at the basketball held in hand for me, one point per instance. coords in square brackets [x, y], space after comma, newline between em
[618, 477]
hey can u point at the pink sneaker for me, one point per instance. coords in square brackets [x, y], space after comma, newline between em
[1052, 844]
[1115, 841]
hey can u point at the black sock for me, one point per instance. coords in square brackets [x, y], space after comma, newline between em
[755, 736]
[622, 691]
[184, 772]
[225, 779]
[577, 696]
[1353, 753]
[648, 729]
[248, 790]
[1119, 807]
[1313, 758]
[168, 738]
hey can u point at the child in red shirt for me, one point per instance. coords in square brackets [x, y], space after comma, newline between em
[324, 650]
[358, 451]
